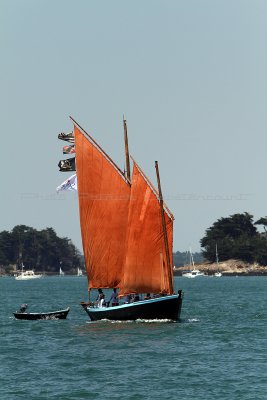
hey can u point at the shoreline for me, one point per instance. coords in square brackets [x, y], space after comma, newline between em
[227, 268]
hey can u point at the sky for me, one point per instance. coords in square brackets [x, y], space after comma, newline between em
[188, 75]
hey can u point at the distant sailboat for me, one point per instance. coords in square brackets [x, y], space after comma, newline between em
[79, 272]
[217, 274]
[61, 273]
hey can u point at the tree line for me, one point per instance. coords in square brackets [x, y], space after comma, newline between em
[183, 258]
[41, 250]
[236, 237]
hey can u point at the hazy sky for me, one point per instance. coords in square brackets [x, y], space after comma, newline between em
[189, 76]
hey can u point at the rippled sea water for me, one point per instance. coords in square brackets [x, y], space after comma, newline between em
[218, 351]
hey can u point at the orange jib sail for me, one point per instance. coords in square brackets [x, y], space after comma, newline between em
[103, 203]
[145, 268]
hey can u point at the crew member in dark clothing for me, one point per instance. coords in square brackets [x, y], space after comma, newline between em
[114, 298]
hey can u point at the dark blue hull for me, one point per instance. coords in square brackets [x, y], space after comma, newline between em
[61, 314]
[166, 307]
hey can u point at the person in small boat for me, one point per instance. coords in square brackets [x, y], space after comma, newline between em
[114, 298]
[23, 308]
[147, 297]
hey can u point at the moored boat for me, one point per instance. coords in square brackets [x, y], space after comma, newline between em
[217, 274]
[26, 275]
[192, 272]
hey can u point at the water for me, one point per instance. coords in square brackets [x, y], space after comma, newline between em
[218, 351]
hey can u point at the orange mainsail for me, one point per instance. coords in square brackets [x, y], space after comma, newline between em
[103, 202]
[145, 268]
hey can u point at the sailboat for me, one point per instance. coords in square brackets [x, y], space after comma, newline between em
[127, 235]
[79, 272]
[193, 273]
[217, 274]
[61, 272]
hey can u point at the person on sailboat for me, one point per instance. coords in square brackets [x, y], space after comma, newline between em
[136, 297]
[114, 298]
[100, 291]
[128, 299]
[102, 302]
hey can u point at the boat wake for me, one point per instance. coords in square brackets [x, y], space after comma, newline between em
[138, 321]
[192, 320]
[153, 321]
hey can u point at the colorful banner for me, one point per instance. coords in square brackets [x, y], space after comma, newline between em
[66, 136]
[67, 165]
[69, 149]
[68, 184]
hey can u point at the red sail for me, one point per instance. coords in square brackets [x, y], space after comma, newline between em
[103, 202]
[145, 268]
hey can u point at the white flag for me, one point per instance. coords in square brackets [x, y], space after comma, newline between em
[68, 184]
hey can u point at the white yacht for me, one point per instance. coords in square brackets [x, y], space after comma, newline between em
[192, 273]
[27, 274]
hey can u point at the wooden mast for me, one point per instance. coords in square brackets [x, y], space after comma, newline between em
[169, 268]
[127, 157]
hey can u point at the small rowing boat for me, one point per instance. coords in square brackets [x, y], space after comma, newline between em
[22, 314]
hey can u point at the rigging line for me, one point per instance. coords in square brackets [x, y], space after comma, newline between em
[127, 158]
[92, 140]
[167, 252]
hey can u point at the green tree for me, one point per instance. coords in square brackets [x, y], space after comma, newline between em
[235, 237]
[41, 250]
[183, 258]
[6, 247]
[262, 221]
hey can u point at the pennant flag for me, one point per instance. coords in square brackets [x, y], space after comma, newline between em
[68, 184]
[67, 165]
[69, 137]
[69, 149]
